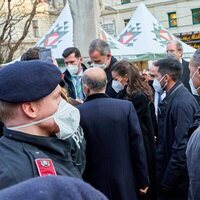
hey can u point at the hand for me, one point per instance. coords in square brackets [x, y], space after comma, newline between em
[54, 61]
[79, 100]
[143, 191]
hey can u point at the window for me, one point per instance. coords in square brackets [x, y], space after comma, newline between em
[172, 19]
[125, 1]
[126, 21]
[35, 28]
[196, 16]
[110, 28]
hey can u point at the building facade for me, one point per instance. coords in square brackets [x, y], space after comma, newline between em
[45, 17]
[180, 17]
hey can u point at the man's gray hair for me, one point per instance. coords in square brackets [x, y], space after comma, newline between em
[196, 59]
[179, 45]
[95, 84]
[99, 45]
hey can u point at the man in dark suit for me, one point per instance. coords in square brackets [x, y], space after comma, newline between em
[175, 116]
[73, 73]
[176, 48]
[115, 156]
[100, 55]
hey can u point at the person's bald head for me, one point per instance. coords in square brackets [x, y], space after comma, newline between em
[94, 81]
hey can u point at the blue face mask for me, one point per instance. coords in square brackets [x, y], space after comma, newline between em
[117, 86]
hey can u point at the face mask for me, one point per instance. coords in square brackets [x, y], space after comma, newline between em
[66, 117]
[117, 86]
[102, 66]
[193, 88]
[72, 69]
[157, 87]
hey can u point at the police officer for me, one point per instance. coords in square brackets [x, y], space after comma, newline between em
[30, 110]
[70, 129]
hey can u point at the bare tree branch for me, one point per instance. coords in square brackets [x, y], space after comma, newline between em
[15, 22]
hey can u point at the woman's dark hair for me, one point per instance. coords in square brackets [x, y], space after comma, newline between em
[136, 82]
[31, 54]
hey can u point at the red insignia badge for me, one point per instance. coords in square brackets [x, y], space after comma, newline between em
[45, 167]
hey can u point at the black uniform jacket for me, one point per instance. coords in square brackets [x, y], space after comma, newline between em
[18, 153]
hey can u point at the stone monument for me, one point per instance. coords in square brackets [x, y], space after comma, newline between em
[85, 14]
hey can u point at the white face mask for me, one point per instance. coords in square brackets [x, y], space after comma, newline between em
[72, 69]
[156, 85]
[117, 86]
[102, 66]
[193, 88]
[66, 117]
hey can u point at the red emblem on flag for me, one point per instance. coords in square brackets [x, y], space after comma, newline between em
[126, 38]
[165, 35]
[51, 39]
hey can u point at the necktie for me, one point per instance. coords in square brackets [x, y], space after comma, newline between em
[78, 87]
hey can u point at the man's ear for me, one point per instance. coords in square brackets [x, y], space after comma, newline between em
[81, 60]
[86, 89]
[167, 77]
[109, 55]
[198, 71]
[29, 109]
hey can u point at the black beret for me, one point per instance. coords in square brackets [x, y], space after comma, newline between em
[52, 187]
[25, 81]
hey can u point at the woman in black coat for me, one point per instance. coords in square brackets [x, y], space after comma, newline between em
[131, 85]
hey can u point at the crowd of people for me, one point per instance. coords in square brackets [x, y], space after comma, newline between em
[130, 135]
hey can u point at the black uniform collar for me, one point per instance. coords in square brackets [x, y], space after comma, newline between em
[51, 144]
[96, 96]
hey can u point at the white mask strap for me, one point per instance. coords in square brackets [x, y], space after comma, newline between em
[30, 124]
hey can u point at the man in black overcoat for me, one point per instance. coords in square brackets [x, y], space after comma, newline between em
[115, 156]
[175, 116]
